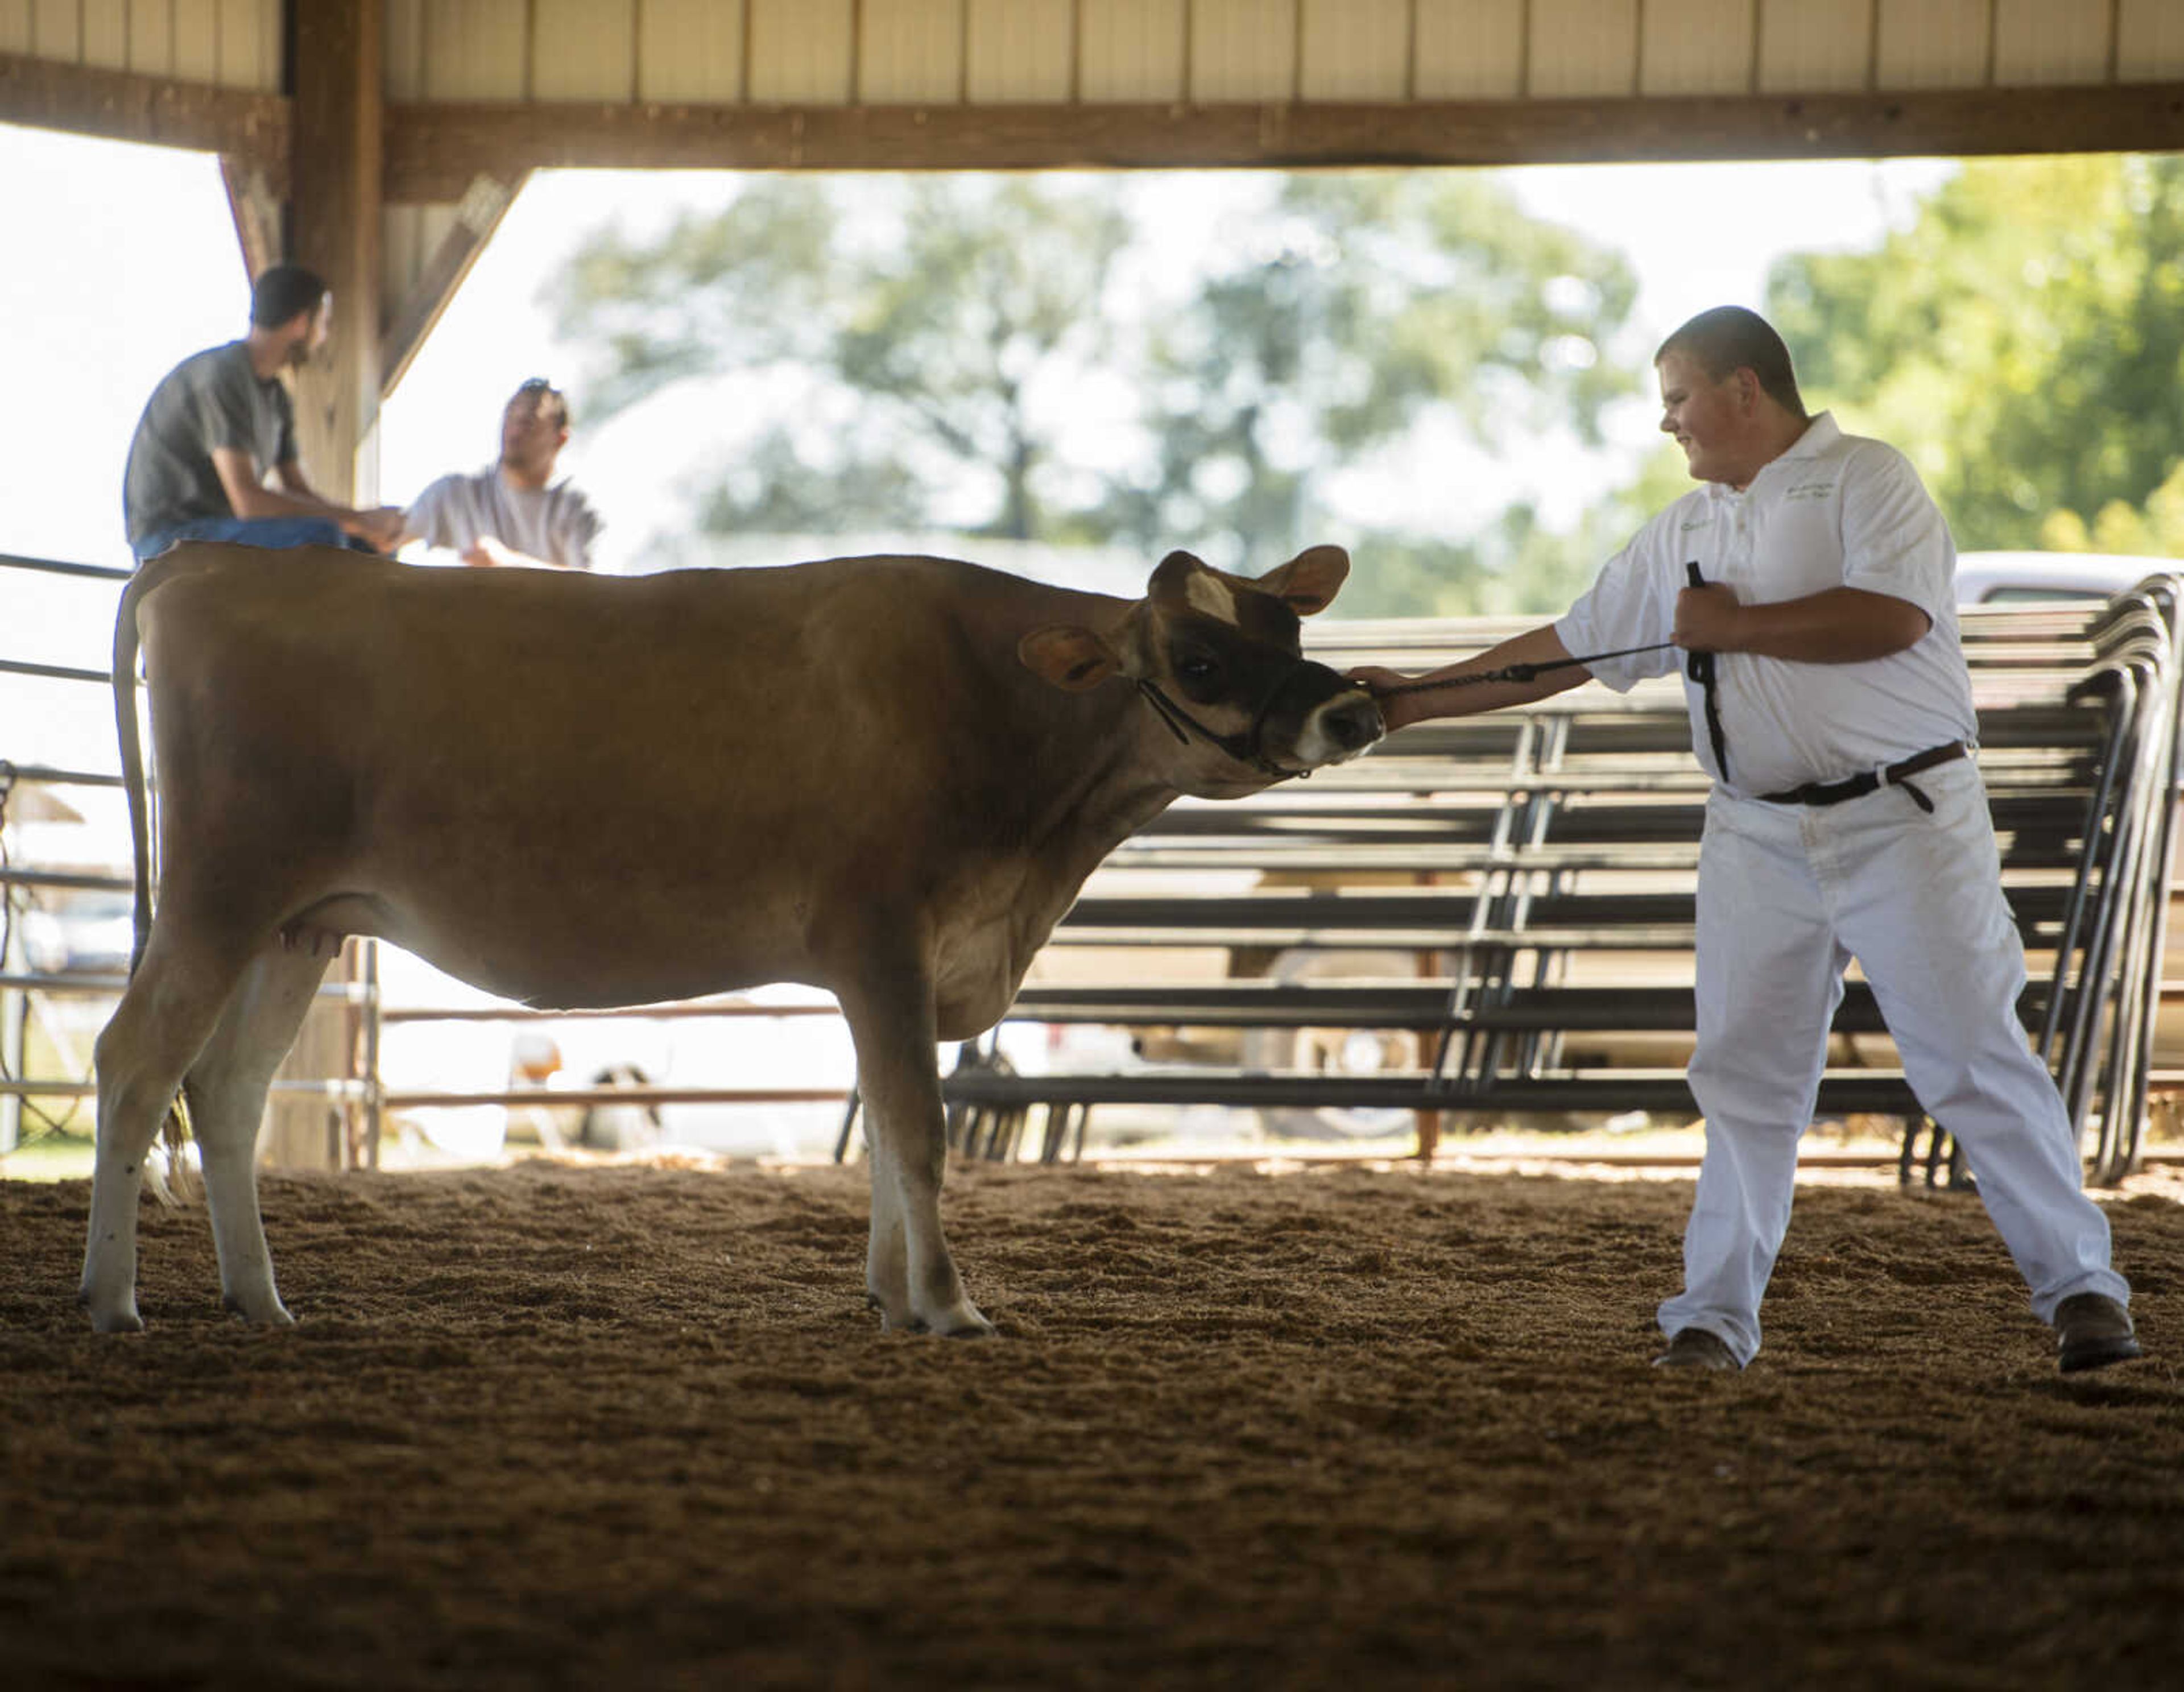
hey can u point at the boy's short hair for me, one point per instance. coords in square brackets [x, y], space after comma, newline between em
[1729, 338]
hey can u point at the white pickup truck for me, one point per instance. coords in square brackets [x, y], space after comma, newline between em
[2001, 578]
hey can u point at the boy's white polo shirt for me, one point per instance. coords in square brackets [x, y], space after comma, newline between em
[1836, 511]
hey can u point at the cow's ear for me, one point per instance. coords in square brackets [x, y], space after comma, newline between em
[1309, 582]
[1171, 582]
[1070, 657]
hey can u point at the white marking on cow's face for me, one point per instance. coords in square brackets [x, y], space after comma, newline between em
[1209, 593]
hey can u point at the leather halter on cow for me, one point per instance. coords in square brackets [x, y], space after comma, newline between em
[886, 777]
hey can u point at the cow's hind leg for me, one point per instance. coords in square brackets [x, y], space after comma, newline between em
[172, 1003]
[908, 1270]
[227, 1085]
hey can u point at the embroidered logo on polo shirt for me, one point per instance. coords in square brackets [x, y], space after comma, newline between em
[1811, 490]
[1691, 523]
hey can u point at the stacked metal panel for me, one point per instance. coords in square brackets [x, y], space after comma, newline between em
[1500, 908]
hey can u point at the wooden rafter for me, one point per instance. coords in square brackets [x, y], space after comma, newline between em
[120, 105]
[484, 203]
[433, 150]
[256, 210]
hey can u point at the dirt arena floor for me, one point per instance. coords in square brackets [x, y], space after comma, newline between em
[631, 1426]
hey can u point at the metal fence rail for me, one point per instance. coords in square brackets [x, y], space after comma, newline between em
[1535, 873]
[362, 1096]
[56, 566]
[1531, 870]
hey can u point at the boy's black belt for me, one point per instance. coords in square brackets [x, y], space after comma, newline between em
[1869, 781]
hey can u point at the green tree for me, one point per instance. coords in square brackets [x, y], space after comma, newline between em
[2022, 341]
[1515, 565]
[955, 326]
[1388, 297]
[941, 304]
[712, 293]
[2153, 530]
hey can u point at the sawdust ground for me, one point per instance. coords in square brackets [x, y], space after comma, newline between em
[548, 1427]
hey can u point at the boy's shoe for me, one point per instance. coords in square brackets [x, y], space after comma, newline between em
[2093, 1331]
[1697, 1348]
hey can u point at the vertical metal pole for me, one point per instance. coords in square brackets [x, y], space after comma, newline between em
[15, 1016]
[374, 1109]
[14, 1023]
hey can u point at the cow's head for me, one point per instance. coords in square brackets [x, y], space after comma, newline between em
[1216, 656]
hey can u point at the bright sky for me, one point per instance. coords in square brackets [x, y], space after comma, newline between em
[121, 260]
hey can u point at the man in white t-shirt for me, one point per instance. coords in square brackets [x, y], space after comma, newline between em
[1811, 581]
[513, 512]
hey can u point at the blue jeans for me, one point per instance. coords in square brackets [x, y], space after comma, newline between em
[248, 531]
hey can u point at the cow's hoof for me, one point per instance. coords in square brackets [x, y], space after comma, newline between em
[259, 1312]
[961, 1321]
[122, 1319]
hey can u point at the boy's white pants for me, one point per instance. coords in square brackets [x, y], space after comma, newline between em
[1787, 895]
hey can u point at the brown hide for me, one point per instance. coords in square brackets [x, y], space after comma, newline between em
[883, 776]
[583, 791]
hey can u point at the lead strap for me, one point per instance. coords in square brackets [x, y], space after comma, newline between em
[1699, 667]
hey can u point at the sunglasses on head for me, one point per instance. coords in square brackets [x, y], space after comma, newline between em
[540, 386]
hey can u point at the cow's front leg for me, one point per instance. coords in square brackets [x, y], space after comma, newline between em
[908, 1271]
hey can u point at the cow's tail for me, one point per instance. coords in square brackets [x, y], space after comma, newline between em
[179, 1183]
[132, 763]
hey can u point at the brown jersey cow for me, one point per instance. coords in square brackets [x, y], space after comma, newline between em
[886, 777]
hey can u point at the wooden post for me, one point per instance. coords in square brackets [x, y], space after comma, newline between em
[334, 174]
[333, 221]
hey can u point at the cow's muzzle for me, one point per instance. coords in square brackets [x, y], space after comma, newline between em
[1310, 696]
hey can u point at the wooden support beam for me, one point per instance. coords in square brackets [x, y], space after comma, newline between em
[120, 105]
[256, 210]
[334, 227]
[484, 203]
[433, 150]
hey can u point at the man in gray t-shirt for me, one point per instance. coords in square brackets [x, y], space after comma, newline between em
[513, 511]
[221, 420]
